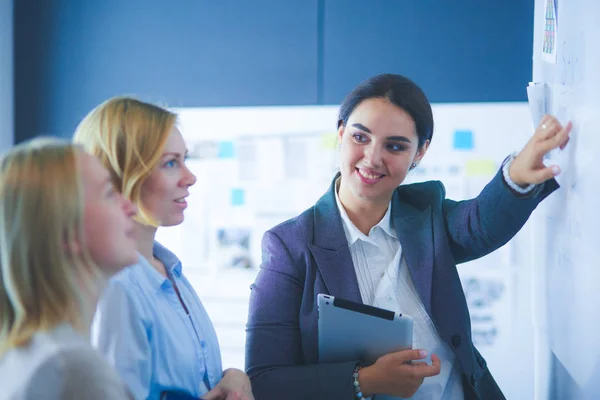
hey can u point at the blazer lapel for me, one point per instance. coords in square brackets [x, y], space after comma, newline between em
[415, 232]
[330, 249]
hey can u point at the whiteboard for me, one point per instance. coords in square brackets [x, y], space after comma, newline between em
[566, 254]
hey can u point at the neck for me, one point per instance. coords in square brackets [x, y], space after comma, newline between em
[145, 241]
[364, 214]
[87, 316]
[90, 289]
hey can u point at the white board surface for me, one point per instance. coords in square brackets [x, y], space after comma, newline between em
[567, 226]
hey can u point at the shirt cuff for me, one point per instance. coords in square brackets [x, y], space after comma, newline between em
[509, 182]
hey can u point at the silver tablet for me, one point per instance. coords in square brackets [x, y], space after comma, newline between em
[353, 331]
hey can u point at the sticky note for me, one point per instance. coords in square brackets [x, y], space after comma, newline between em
[237, 197]
[463, 140]
[329, 141]
[225, 150]
[480, 168]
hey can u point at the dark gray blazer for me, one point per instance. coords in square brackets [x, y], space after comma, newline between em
[309, 254]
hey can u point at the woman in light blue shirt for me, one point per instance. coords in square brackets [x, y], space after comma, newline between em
[150, 324]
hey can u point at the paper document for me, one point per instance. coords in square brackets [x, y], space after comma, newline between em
[536, 95]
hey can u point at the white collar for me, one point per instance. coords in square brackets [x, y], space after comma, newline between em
[353, 233]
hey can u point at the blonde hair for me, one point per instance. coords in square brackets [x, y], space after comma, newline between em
[128, 136]
[42, 283]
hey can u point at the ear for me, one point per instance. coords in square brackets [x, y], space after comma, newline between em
[340, 132]
[421, 152]
[71, 247]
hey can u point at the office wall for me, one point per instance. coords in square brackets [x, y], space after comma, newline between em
[458, 51]
[6, 75]
[72, 54]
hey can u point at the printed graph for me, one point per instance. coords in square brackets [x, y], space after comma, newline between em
[549, 46]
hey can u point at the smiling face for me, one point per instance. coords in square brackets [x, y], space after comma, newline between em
[379, 143]
[163, 193]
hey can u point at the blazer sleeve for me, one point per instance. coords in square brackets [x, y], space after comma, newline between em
[479, 226]
[274, 356]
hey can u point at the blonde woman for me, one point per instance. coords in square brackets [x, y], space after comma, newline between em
[63, 231]
[150, 324]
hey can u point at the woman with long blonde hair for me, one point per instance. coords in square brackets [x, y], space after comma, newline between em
[150, 324]
[63, 231]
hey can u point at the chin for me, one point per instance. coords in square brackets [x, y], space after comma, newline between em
[364, 194]
[172, 221]
[133, 259]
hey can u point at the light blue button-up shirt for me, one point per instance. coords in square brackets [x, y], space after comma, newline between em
[143, 330]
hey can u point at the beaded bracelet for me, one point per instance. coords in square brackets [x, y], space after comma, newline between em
[355, 382]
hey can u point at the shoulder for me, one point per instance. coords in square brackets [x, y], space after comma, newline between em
[22, 366]
[133, 283]
[77, 370]
[422, 195]
[285, 246]
[124, 294]
[123, 287]
[301, 226]
[76, 360]
[129, 275]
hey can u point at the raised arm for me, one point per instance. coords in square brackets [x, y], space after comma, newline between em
[479, 226]
[119, 335]
[274, 355]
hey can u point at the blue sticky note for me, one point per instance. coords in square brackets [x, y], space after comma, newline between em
[463, 140]
[237, 197]
[225, 150]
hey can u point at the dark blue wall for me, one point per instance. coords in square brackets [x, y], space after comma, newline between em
[72, 54]
[457, 51]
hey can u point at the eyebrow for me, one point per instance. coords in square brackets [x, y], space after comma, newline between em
[178, 155]
[361, 127]
[393, 138]
[399, 139]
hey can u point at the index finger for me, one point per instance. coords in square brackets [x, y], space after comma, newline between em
[406, 356]
[545, 119]
[547, 128]
[557, 140]
[425, 370]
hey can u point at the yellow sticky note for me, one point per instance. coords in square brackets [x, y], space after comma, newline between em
[480, 168]
[329, 140]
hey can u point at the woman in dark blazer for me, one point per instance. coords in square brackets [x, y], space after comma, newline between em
[411, 236]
